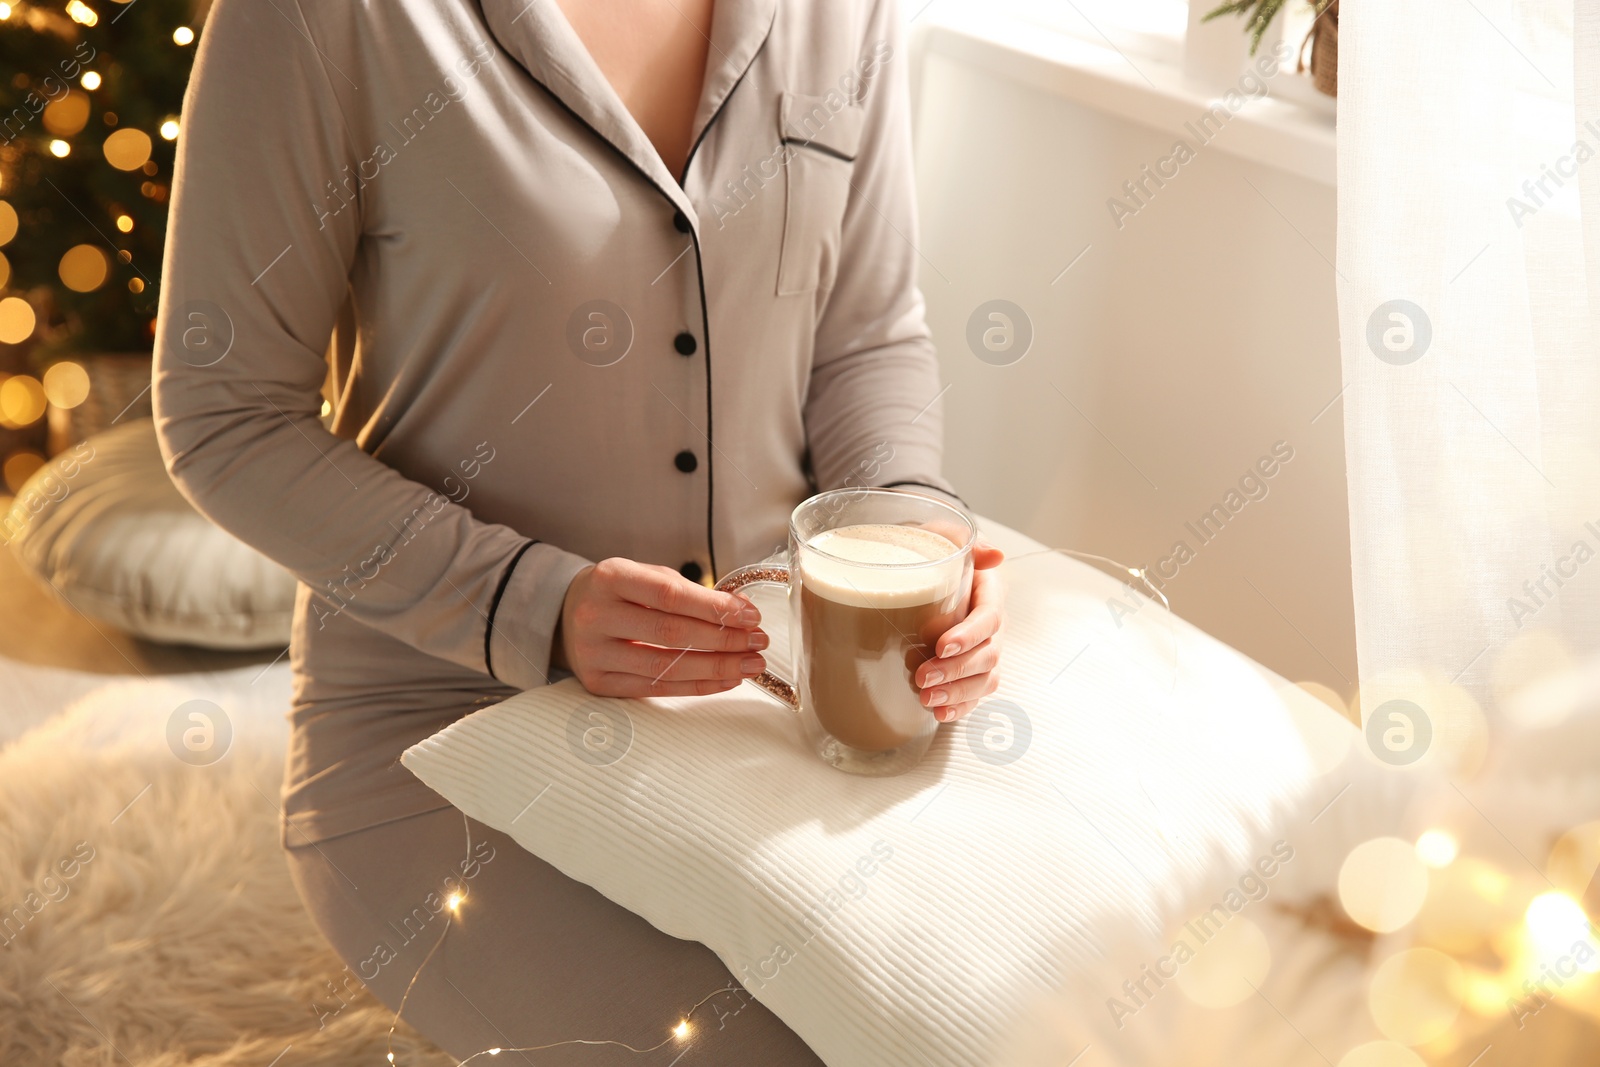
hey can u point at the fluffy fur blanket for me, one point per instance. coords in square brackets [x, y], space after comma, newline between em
[147, 918]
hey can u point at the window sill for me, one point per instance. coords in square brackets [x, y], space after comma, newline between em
[1297, 137]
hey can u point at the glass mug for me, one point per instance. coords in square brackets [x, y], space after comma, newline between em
[874, 578]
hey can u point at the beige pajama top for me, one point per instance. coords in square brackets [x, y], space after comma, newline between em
[541, 347]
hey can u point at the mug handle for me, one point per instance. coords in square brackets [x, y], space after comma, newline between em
[768, 574]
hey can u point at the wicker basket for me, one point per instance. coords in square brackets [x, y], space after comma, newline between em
[119, 390]
[1324, 42]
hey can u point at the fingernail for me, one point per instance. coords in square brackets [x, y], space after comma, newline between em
[758, 639]
[937, 697]
[945, 714]
[934, 678]
[752, 664]
[949, 650]
[748, 617]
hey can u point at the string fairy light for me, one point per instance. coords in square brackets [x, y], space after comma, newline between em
[1134, 572]
[1138, 574]
[681, 1031]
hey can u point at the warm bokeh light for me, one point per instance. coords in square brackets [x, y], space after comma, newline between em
[16, 320]
[1415, 995]
[91, 80]
[5, 270]
[135, 285]
[82, 12]
[1381, 1054]
[60, 149]
[5, 11]
[8, 222]
[681, 1031]
[125, 223]
[67, 115]
[1460, 731]
[1575, 859]
[1482, 992]
[1326, 695]
[1556, 923]
[326, 408]
[19, 467]
[128, 148]
[1382, 883]
[1469, 904]
[1437, 848]
[1535, 681]
[169, 129]
[1229, 968]
[66, 384]
[84, 268]
[21, 400]
[183, 35]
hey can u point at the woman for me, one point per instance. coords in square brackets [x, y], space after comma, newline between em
[611, 285]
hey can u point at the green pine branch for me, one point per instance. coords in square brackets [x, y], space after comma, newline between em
[1258, 15]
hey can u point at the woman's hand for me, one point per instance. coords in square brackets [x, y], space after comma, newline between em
[632, 629]
[969, 652]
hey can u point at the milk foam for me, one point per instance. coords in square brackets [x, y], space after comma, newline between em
[876, 566]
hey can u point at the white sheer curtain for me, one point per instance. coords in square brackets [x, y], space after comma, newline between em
[1469, 263]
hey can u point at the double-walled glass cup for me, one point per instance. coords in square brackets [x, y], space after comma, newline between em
[874, 578]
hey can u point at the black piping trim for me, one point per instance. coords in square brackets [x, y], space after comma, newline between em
[700, 274]
[711, 441]
[602, 138]
[499, 591]
[817, 146]
[705, 312]
[712, 121]
[925, 485]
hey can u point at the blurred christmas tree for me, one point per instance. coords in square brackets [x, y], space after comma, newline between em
[90, 93]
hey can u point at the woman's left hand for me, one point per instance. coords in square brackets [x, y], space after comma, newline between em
[966, 669]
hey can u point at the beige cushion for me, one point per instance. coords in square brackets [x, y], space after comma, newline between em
[104, 526]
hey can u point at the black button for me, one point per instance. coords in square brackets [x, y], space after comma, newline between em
[680, 222]
[691, 571]
[685, 461]
[684, 343]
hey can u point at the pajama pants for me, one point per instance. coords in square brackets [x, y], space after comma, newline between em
[531, 957]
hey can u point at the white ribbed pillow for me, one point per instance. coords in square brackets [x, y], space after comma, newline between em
[985, 904]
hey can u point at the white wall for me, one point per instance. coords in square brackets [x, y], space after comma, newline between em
[1190, 341]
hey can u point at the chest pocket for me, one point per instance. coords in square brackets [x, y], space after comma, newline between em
[820, 135]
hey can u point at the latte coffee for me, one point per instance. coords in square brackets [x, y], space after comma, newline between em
[873, 600]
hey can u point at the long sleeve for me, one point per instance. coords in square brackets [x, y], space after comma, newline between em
[873, 414]
[257, 269]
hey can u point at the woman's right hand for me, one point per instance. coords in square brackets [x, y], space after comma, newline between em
[631, 629]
